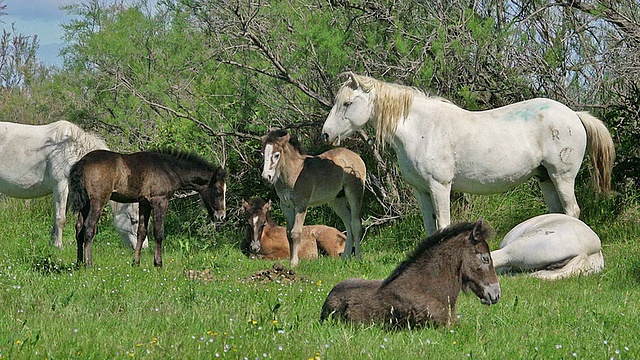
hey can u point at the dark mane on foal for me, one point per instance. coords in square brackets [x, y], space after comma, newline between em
[438, 237]
[272, 136]
[188, 156]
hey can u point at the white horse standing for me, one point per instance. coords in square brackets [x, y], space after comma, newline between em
[35, 161]
[556, 245]
[443, 148]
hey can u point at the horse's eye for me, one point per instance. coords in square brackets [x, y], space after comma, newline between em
[486, 259]
[276, 156]
[347, 103]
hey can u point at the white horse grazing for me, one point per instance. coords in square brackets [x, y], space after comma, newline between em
[35, 161]
[443, 148]
[556, 245]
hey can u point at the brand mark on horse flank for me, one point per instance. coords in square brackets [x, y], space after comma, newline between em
[565, 155]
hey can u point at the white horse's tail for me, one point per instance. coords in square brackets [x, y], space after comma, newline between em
[601, 150]
[582, 264]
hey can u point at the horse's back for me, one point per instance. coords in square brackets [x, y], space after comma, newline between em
[275, 246]
[545, 240]
[329, 239]
[98, 169]
[351, 300]
[35, 158]
[490, 151]
[351, 162]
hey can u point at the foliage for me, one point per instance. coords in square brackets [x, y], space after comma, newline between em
[214, 76]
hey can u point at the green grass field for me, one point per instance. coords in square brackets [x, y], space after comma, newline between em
[203, 304]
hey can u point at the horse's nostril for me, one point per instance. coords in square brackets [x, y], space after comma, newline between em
[325, 137]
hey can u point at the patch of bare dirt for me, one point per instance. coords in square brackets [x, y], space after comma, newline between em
[278, 273]
[200, 275]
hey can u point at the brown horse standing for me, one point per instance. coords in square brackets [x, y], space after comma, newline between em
[147, 178]
[335, 177]
[423, 289]
[268, 240]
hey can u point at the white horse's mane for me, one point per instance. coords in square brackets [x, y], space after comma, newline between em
[392, 102]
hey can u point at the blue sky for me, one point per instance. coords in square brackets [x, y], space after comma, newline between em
[42, 18]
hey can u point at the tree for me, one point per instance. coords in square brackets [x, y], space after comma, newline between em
[217, 75]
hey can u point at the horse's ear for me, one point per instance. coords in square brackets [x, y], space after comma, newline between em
[221, 174]
[354, 79]
[245, 205]
[477, 232]
[284, 139]
[351, 81]
[267, 206]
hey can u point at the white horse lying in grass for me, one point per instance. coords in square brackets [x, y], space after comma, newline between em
[35, 161]
[552, 245]
[443, 148]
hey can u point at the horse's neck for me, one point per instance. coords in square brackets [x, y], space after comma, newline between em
[292, 165]
[437, 272]
[189, 178]
[269, 225]
[428, 118]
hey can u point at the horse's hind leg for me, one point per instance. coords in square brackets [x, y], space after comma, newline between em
[90, 226]
[159, 211]
[550, 196]
[340, 206]
[559, 194]
[81, 234]
[60, 194]
[144, 211]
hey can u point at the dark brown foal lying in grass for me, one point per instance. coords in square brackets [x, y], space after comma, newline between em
[267, 240]
[423, 289]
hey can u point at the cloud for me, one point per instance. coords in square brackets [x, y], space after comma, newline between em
[41, 10]
[44, 18]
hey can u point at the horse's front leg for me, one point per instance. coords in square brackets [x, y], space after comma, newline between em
[295, 221]
[441, 199]
[435, 206]
[144, 211]
[159, 211]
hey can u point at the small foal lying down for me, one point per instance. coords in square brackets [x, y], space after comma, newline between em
[551, 246]
[423, 289]
[267, 240]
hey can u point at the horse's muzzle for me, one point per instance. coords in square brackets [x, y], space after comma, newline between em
[327, 138]
[220, 215]
[492, 294]
[269, 176]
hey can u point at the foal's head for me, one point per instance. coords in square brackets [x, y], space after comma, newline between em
[272, 148]
[256, 211]
[477, 269]
[214, 195]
